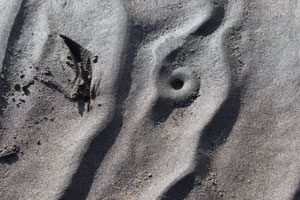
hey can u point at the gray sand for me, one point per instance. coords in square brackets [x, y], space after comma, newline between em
[149, 99]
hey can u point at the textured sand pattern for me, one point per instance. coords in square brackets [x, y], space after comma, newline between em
[146, 99]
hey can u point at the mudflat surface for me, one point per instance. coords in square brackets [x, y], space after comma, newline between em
[144, 100]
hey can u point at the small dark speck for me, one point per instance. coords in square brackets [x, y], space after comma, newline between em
[17, 87]
[48, 73]
[69, 58]
[95, 59]
[38, 142]
[22, 76]
[70, 64]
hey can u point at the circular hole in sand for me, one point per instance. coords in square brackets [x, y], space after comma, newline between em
[177, 83]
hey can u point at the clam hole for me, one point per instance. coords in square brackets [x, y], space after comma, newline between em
[177, 83]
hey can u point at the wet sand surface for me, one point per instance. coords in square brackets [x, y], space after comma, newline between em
[144, 100]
